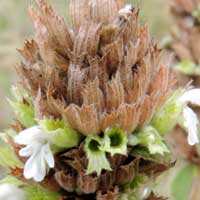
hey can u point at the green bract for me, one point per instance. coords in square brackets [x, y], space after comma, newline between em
[169, 115]
[144, 153]
[188, 68]
[12, 180]
[19, 94]
[37, 193]
[24, 111]
[59, 134]
[196, 13]
[97, 160]
[115, 141]
[8, 157]
[149, 138]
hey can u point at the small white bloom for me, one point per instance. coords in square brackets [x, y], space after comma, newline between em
[126, 10]
[190, 119]
[191, 124]
[38, 151]
[191, 96]
[11, 192]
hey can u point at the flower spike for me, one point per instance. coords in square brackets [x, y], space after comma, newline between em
[95, 88]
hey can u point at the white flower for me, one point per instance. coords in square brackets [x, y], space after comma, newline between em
[190, 119]
[38, 151]
[11, 192]
[191, 123]
[192, 96]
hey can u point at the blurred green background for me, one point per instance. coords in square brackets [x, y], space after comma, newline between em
[15, 27]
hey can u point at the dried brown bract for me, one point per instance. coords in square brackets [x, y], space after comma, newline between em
[186, 43]
[103, 72]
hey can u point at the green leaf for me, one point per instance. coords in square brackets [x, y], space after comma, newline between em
[188, 67]
[24, 113]
[168, 116]
[37, 193]
[144, 153]
[12, 180]
[149, 138]
[11, 132]
[182, 184]
[32, 192]
[97, 160]
[19, 94]
[59, 134]
[196, 13]
[115, 141]
[8, 157]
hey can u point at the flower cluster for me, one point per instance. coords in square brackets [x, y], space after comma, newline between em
[97, 103]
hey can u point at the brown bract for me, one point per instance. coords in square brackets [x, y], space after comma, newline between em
[186, 36]
[181, 148]
[186, 46]
[186, 42]
[103, 72]
[70, 174]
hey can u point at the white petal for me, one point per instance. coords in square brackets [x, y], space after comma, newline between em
[191, 96]
[36, 166]
[11, 192]
[31, 166]
[29, 135]
[26, 151]
[191, 124]
[48, 155]
[41, 169]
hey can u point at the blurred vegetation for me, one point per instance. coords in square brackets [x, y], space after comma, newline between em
[15, 27]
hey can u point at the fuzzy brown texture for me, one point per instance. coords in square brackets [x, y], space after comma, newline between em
[187, 41]
[70, 175]
[104, 71]
[186, 47]
[186, 36]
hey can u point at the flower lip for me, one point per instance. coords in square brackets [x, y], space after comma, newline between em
[191, 96]
[30, 135]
